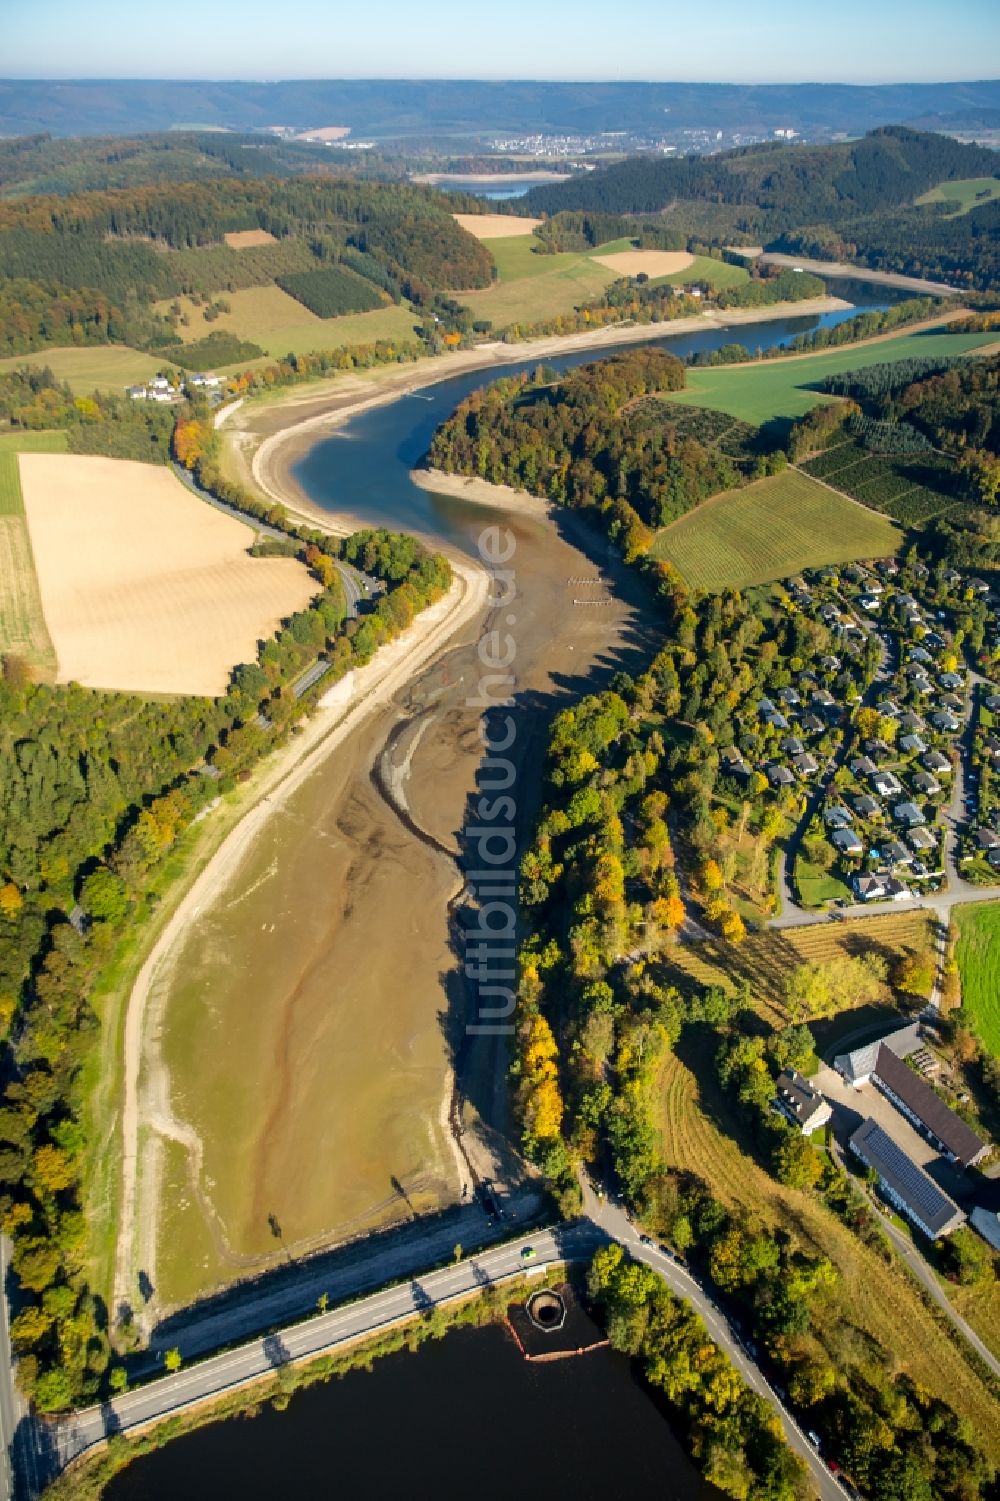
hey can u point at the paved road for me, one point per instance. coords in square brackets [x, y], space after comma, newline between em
[328, 1331]
[608, 1216]
[322, 1332]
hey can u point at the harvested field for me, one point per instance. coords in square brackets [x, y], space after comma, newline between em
[701, 1133]
[495, 226]
[144, 587]
[769, 530]
[652, 262]
[243, 239]
[767, 959]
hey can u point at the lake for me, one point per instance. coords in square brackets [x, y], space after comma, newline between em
[363, 469]
[464, 1417]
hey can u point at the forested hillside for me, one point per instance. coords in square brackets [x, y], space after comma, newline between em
[600, 440]
[118, 252]
[40, 164]
[853, 199]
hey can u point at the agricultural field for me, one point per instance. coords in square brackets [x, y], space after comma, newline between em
[772, 528]
[144, 588]
[22, 623]
[968, 192]
[658, 265]
[490, 227]
[245, 239]
[978, 954]
[94, 367]
[787, 387]
[701, 1133]
[766, 959]
[897, 486]
[706, 268]
[277, 323]
[532, 287]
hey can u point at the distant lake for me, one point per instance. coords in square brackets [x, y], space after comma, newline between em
[503, 186]
[463, 1419]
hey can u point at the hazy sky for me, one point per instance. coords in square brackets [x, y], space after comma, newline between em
[856, 41]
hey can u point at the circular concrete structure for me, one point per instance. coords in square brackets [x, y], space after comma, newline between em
[546, 1310]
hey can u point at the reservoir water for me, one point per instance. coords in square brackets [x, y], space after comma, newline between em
[363, 469]
[466, 1417]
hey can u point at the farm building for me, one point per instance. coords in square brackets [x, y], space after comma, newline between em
[904, 1184]
[800, 1103]
[985, 1217]
[856, 1067]
[915, 1099]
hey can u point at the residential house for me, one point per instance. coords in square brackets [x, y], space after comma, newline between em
[987, 839]
[837, 816]
[950, 680]
[894, 853]
[779, 776]
[792, 745]
[886, 783]
[933, 760]
[912, 745]
[864, 766]
[805, 764]
[909, 814]
[945, 721]
[921, 840]
[801, 1103]
[867, 806]
[926, 784]
[847, 842]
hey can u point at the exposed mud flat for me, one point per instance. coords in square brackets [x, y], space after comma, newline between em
[313, 1018]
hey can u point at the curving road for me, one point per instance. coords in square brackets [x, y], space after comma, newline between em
[327, 1332]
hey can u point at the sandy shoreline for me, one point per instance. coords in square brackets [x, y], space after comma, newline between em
[270, 467]
[482, 492]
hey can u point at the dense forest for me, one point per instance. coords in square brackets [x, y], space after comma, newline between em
[98, 792]
[851, 201]
[600, 439]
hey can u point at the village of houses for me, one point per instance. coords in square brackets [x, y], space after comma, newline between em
[869, 744]
[880, 735]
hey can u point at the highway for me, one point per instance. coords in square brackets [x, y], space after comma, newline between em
[326, 1332]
